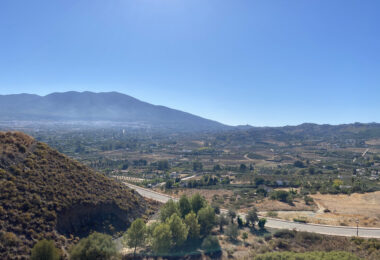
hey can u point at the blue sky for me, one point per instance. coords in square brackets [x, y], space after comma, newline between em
[257, 62]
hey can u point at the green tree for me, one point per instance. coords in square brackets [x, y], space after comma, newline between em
[197, 202]
[216, 208]
[178, 229]
[168, 209]
[161, 240]
[252, 217]
[136, 234]
[239, 222]
[95, 246]
[222, 220]
[217, 168]
[206, 219]
[244, 236]
[169, 184]
[232, 231]
[232, 214]
[163, 165]
[261, 223]
[191, 221]
[197, 166]
[45, 250]
[184, 206]
[211, 244]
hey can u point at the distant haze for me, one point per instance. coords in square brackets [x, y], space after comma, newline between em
[105, 107]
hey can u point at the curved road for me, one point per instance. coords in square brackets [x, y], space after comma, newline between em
[278, 223]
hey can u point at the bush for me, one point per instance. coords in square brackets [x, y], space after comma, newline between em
[45, 250]
[95, 246]
[267, 237]
[284, 233]
[282, 196]
[232, 231]
[272, 214]
[261, 223]
[308, 237]
[211, 244]
[300, 220]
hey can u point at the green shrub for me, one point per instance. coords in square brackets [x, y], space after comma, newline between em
[45, 250]
[211, 244]
[272, 214]
[284, 233]
[95, 246]
[300, 220]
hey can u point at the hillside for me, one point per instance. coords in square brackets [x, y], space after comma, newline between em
[89, 107]
[44, 194]
[303, 132]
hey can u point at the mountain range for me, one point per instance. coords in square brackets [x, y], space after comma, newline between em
[90, 107]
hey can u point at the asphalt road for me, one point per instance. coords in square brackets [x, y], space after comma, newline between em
[278, 223]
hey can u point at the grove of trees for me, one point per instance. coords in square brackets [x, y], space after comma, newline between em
[183, 226]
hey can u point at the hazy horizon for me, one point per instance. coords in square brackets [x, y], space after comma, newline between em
[44, 95]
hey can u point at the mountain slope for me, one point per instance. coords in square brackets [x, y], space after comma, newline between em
[109, 106]
[44, 194]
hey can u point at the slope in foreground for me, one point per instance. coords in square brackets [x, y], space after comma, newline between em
[44, 194]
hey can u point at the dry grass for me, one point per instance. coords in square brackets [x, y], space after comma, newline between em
[347, 208]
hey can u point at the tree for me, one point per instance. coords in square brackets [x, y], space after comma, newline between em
[261, 223]
[222, 221]
[95, 246]
[239, 222]
[184, 206]
[197, 166]
[217, 168]
[192, 223]
[232, 231]
[211, 244]
[244, 236]
[169, 184]
[299, 164]
[161, 240]
[243, 167]
[216, 208]
[136, 234]
[168, 209]
[178, 229]
[197, 202]
[232, 214]
[206, 219]
[252, 217]
[163, 165]
[45, 250]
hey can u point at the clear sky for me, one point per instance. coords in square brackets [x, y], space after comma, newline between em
[257, 62]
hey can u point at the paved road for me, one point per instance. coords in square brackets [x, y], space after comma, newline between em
[278, 223]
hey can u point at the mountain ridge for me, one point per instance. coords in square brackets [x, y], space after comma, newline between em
[103, 106]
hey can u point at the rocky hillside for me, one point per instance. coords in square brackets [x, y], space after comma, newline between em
[45, 194]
